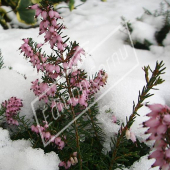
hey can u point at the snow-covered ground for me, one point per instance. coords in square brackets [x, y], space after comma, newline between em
[96, 26]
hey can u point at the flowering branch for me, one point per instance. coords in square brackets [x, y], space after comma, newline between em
[151, 82]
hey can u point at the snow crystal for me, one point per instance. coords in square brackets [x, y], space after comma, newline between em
[157, 50]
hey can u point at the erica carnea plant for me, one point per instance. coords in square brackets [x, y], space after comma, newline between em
[67, 123]
[67, 92]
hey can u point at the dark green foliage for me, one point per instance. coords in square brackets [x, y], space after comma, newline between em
[128, 152]
[1, 60]
[142, 46]
[137, 150]
[161, 35]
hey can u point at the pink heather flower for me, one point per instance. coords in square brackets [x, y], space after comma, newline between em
[53, 89]
[127, 134]
[47, 36]
[51, 29]
[167, 153]
[73, 101]
[72, 161]
[49, 68]
[60, 106]
[34, 129]
[61, 145]
[155, 107]
[60, 46]
[57, 140]
[130, 135]
[43, 87]
[46, 23]
[44, 14]
[56, 14]
[67, 165]
[47, 135]
[75, 154]
[39, 45]
[161, 129]
[166, 119]
[53, 104]
[12, 107]
[57, 69]
[166, 167]
[62, 163]
[51, 14]
[114, 119]
[158, 125]
[37, 12]
[65, 65]
[34, 6]
[152, 122]
[82, 100]
[54, 22]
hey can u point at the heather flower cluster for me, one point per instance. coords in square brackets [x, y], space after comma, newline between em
[72, 161]
[64, 64]
[86, 87]
[49, 26]
[43, 90]
[43, 131]
[12, 107]
[159, 128]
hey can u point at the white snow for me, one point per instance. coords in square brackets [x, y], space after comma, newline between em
[143, 31]
[96, 26]
[166, 41]
[143, 163]
[156, 22]
[19, 155]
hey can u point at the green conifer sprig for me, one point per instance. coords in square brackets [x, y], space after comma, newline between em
[119, 144]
